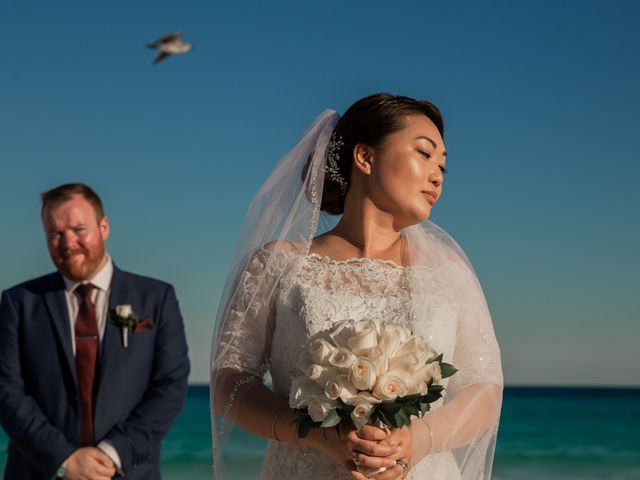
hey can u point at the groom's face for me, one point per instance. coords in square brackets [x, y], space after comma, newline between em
[75, 238]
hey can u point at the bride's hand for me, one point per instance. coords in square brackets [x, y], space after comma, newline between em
[344, 448]
[401, 440]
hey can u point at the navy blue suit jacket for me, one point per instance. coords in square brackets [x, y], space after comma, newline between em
[139, 390]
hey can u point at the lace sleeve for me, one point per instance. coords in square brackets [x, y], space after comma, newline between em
[476, 354]
[466, 424]
[245, 333]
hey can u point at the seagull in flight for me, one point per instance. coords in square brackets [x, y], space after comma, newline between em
[169, 44]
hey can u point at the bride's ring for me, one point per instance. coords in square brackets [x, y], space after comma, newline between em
[404, 465]
[355, 459]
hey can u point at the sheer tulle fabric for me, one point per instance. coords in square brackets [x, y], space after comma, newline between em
[277, 296]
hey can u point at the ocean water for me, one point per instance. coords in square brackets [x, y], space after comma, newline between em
[569, 433]
[545, 433]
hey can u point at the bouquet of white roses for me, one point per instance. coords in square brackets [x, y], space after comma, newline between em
[365, 371]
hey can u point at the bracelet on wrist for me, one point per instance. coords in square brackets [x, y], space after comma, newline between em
[430, 435]
[275, 421]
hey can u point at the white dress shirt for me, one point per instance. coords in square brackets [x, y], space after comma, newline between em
[100, 298]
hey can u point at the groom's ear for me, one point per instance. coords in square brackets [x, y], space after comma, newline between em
[103, 225]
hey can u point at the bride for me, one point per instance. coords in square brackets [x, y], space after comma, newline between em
[339, 231]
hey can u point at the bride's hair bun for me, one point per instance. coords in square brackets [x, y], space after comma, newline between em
[369, 121]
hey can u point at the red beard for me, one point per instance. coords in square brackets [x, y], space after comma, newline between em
[80, 271]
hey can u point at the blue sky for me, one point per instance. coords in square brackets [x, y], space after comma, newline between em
[540, 102]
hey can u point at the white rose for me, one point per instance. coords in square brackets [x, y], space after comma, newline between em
[417, 346]
[361, 413]
[341, 333]
[392, 337]
[379, 358]
[318, 406]
[428, 372]
[366, 337]
[407, 362]
[389, 387]
[404, 375]
[415, 386]
[321, 350]
[301, 390]
[302, 364]
[342, 359]
[324, 335]
[363, 326]
[362, 397]
[426, 355]
[124, 311]
[319, 374]
[340, 387]
[363, 374]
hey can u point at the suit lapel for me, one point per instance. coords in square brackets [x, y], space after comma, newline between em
[111, 347]
[59, 313]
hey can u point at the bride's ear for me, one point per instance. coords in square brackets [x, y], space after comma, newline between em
[363, 158]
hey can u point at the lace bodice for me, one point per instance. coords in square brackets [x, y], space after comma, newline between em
[322, 291]
[271, 321]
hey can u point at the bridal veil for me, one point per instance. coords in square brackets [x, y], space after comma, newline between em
[286, 210]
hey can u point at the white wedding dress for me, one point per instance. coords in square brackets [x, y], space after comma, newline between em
[314, 293]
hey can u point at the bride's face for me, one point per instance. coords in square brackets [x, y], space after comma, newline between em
[407, 171]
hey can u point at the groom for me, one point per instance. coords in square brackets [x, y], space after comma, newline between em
[84, 393]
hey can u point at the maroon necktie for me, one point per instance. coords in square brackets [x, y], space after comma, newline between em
[86, 357]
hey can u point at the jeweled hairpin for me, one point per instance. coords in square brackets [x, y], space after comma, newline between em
[333, 155]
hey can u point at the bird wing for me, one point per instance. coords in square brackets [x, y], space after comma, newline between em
[161, 57]
[170, 37]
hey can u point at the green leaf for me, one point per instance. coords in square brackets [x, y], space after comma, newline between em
[121, 322]
[437, 359]
[436, 388]
[447, 369]
[386, 420]
[391, 407]
[305, 425]
[412, 409]
[331, 420]
[409, 398]
[432, 397]
[401, 418]
[374, 418]
[424, 408]
[346, 410]
[389, 414]
[393, 423]
[301, 414]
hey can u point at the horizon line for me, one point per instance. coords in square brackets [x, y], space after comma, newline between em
[517, 385]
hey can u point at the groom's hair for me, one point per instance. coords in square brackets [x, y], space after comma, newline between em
[65, 192]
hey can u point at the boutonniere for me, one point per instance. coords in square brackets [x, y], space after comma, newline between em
[123, 317]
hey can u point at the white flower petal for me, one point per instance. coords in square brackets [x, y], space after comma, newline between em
[389, 387]
[301, 389]
[342, 359]
[363, 374]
